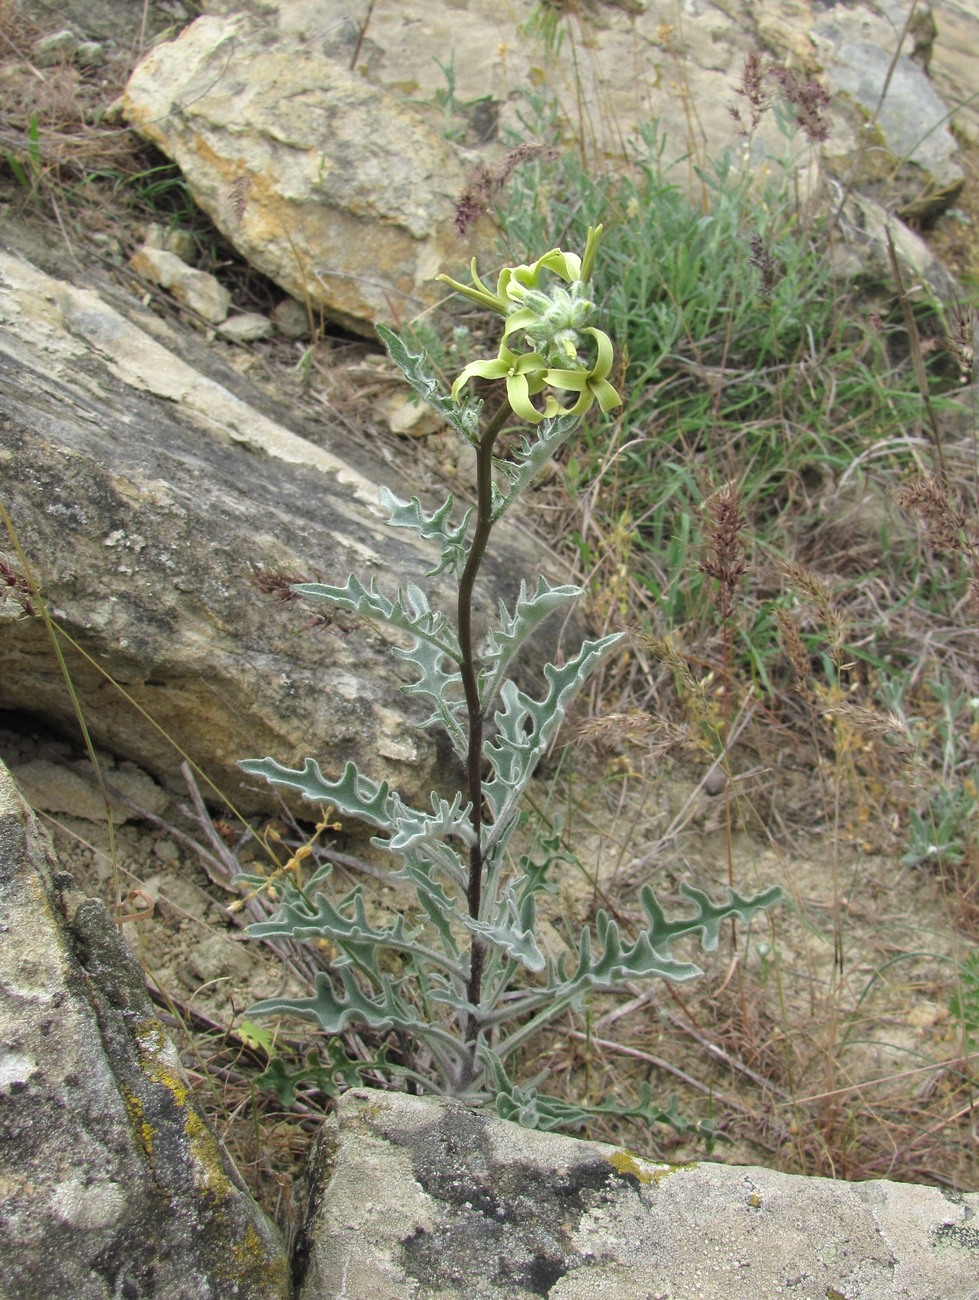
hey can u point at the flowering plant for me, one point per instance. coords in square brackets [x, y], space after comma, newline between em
[467, 983]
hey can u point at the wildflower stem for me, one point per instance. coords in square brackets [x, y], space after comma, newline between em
[470, 684]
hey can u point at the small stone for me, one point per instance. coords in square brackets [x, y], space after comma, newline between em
[196, 290]
[166, 851]
[181, 242]
[715, 782]
[108, 243]
[51, 788]
[291, 319]
[171, 240]
[90, 54]
[246, 328]
[57, 47]
[406, 414]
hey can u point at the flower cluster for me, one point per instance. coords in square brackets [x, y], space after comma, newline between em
[551, 322]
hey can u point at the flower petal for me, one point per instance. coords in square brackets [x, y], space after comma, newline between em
[477, 292]
[605, 395]
[604, 358]
[572, 381]
[485, 369]
[518, 320]
[518, 395]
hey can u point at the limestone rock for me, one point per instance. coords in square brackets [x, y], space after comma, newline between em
[291, 319]
[910, 151]
[419, 1197]
[111, 1180]
[863, 251]
[337, 191]
[315, 138]
[147, 494]
[70, 790]
[54, 48]
[246, 327]
[197, 290]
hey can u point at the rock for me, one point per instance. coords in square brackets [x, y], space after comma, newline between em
[147, 495]
[863, 251]
[129, 24]
[328, 185]
[417, 1196]
[56, 47]
[952, 65]
[90, 54]
[315, 141]
[65, 790]
[912, 153]
[247, 327]
[197, 290]
[291, 320]
[173, 239]
[405, 413]
[112, 1182]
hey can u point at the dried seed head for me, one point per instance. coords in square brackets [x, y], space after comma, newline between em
[485, 184]
[15, 587]
[961, 343]
[929, 499]
[762, 258]
[723, 556]
[757, 86]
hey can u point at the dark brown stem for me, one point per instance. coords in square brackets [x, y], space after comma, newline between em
[470, 684]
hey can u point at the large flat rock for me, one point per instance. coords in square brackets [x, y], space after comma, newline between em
[417, 1198]
[146, 493]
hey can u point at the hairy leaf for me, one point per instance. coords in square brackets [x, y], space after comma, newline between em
[517, 628]
[354, 795]
[513, 933]
[525, 726]
[433, 527]
[463, 418]
[528, 459]
[409, 610]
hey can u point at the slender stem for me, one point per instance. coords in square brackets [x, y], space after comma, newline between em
[470, 684]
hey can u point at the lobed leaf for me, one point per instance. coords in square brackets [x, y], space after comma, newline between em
[335, 1011]
[353, 794]
[516, 628]
[525, 726]
[464, 418]
[433, 527]
[435, 682]
[527, 460]
[409, 610]
[346, 925]
[513, 932]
